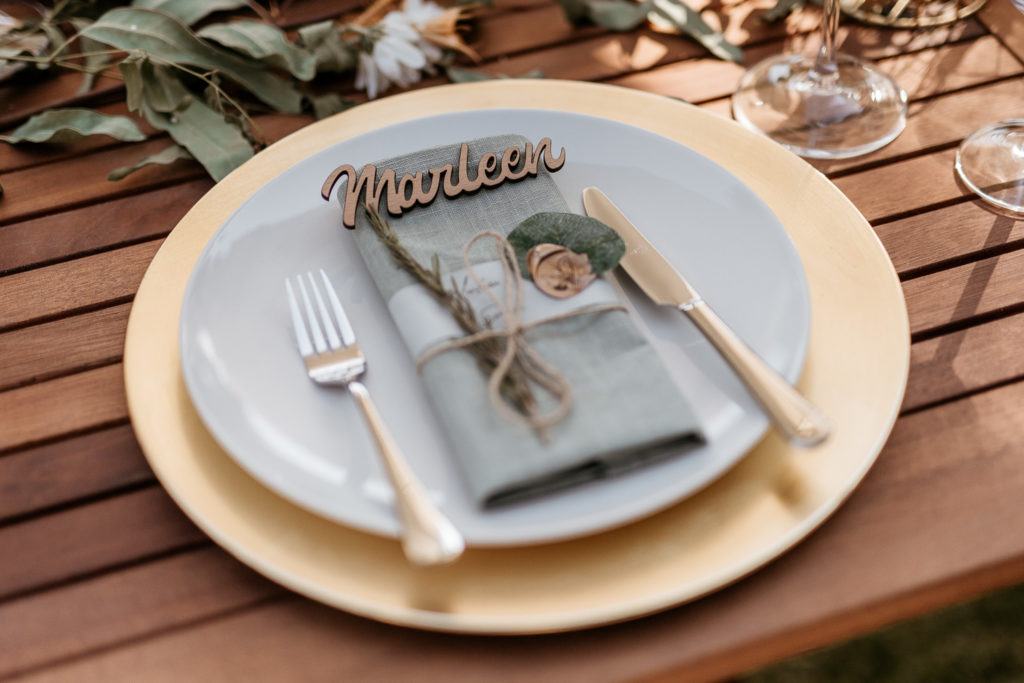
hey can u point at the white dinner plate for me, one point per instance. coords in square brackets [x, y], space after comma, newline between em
[308, 443]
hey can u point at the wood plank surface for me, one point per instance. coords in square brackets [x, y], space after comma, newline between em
[70, 470]
[946, 236]
[165, 594]
[905, 187]
[980, 289]
[75, 543]
[62, 406]
[106, 278]
[68, 234]
[966, 361]
[39, 352]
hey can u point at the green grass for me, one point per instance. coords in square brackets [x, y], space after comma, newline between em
[980, 641]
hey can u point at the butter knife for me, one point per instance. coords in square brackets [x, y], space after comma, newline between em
[792, 414]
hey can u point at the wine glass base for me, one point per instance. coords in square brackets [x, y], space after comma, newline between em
[991, 163]
[852, 110]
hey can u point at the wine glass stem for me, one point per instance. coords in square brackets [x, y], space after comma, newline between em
[825, 64]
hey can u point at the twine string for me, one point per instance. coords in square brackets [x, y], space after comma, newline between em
[517, 348]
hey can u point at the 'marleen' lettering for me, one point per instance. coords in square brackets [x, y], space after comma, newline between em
[404, 193]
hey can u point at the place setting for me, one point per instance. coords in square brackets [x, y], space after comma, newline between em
[465, 295]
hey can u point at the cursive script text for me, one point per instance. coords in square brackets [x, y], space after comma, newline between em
[452, 180]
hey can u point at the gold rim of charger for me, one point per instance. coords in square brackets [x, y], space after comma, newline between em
[856, 371]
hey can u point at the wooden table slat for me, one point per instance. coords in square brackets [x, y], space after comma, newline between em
[70, 470]
[965, 231]
[88, 282]
[956, 295]
[130, 604]
[71, 234]
[40, 412]
[62, 346]
[77, 542]
[963, 362]
[904, 187]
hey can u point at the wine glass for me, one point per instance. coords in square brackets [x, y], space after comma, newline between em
[827, 105]
[990, 161]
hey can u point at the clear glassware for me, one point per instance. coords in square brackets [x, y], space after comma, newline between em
[827, 105]
[990, 161]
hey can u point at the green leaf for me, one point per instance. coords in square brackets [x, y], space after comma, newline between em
[457, 75]
[94, 63]
[781, 10]
[617, 15]
[264, 42]
[575, 10]
[581, 234]
[168, 39]
[163, 89]
[678, 15]
[190, 11]
[60, 126]
[219, 146]
[131, 72]
[166, 156]
[329, 104]
[332, 53]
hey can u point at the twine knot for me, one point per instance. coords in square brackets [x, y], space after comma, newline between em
[517, 348]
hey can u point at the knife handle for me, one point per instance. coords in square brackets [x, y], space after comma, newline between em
[792, 414]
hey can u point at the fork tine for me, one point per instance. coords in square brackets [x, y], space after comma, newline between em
[301, 336]
[325, 317]
[314, 325]
[348, 335]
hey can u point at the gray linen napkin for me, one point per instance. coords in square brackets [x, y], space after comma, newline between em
[626, 410]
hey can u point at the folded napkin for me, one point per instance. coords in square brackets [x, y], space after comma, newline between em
[626, 410]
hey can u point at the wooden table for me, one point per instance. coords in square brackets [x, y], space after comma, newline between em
[103, 578]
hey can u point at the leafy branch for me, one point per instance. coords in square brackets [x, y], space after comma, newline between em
[670, 15]
[202, 86]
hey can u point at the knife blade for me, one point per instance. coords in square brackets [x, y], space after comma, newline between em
[790, 412]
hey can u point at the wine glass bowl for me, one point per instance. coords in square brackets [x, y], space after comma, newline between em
[990, 161]
[824, 106]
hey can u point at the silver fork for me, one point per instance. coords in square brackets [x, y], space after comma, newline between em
[333, 358]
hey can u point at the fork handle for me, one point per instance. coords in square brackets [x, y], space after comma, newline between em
[428, 537]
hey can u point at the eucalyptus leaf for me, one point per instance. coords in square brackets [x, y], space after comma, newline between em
[166, 156]
[219, 146]
[131, 72]
[781, 10]
[166, 38]
[575, 10]
[330, 50]
[94, 62]
[617, 15]
[581, 234]
[678, 15]
[190, 11]
[329, 104]
[458, 75]
[60, 126]
[263, 42]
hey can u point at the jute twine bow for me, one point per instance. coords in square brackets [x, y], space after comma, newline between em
[516, 346]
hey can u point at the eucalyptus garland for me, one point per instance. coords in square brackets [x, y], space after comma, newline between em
[203, 81]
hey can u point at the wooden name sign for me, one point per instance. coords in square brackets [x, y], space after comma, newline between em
[402, 194]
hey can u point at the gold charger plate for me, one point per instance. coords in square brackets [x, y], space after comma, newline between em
[855, 371]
